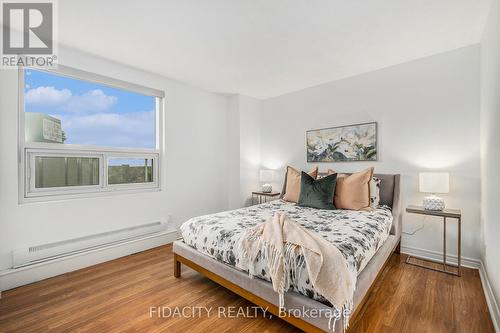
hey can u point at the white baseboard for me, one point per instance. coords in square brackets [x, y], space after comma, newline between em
[12, 278]
[490, 298]
[466, 262]
[438, 257]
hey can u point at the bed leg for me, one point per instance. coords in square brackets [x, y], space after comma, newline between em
[398, 248]
[177, 267]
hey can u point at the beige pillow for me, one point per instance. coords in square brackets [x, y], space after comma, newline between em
[353, 191]
[292, 183]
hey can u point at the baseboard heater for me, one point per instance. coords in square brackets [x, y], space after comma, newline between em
[40, 253]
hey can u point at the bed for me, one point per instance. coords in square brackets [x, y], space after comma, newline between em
[366, 239]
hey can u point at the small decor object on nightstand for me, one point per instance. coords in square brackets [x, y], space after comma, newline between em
[434, 182]
[266, 176]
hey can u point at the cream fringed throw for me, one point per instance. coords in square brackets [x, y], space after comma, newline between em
[277, 238]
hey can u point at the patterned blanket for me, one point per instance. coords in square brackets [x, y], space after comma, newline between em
[357, 234]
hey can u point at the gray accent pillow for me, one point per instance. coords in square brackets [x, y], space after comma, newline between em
[317, 193]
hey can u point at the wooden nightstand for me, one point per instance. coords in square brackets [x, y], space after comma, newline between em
[446, 213]
[263, 197]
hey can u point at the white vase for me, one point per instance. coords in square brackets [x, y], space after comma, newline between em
[267, 188]
[433, 202]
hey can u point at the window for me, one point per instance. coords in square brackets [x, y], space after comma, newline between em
[82, 133]
[130, 171]
[56, 171]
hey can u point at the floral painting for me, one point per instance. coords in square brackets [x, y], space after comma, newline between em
[347, 143]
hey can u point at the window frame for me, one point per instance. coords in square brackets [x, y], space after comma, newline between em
[27, 151]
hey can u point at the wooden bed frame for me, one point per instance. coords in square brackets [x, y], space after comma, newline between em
[295, 321]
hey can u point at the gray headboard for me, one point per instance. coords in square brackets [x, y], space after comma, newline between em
[390, 195]
[387, 188]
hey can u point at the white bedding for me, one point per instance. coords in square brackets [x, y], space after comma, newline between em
[357, 234]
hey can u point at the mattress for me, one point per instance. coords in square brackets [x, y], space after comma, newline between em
[357, 234]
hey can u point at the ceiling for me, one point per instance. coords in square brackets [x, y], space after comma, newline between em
[265, 48]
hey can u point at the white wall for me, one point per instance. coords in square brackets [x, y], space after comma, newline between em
[249, 147]
[194, 169]
[427, 113]
[233, 132]
[244, 147]
[490, 146]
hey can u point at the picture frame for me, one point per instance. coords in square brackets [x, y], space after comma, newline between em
[348, 143]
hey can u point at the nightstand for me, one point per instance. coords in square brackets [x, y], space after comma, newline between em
[263, 196]
[445, 214]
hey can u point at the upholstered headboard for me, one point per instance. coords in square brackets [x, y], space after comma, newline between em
[387, 188]
[390, 195]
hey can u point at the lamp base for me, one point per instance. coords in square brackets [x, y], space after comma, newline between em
[267, 188]
[433, 202]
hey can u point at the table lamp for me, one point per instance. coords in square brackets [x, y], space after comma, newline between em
[434, 182]
[266, 176]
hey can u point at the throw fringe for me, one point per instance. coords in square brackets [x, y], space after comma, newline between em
[281, 263]
[343, 314]
[252, 234]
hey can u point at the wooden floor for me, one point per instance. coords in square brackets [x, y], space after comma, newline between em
[116, 297]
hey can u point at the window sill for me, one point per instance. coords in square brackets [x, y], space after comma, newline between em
[86, 195]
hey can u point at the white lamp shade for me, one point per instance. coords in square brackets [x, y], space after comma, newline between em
[266, 176]
[434, 182]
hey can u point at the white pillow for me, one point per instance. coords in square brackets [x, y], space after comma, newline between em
[375, 192]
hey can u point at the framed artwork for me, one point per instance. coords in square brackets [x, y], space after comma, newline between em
[342, 144]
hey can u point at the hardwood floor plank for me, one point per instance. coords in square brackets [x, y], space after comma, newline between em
[116, 296]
